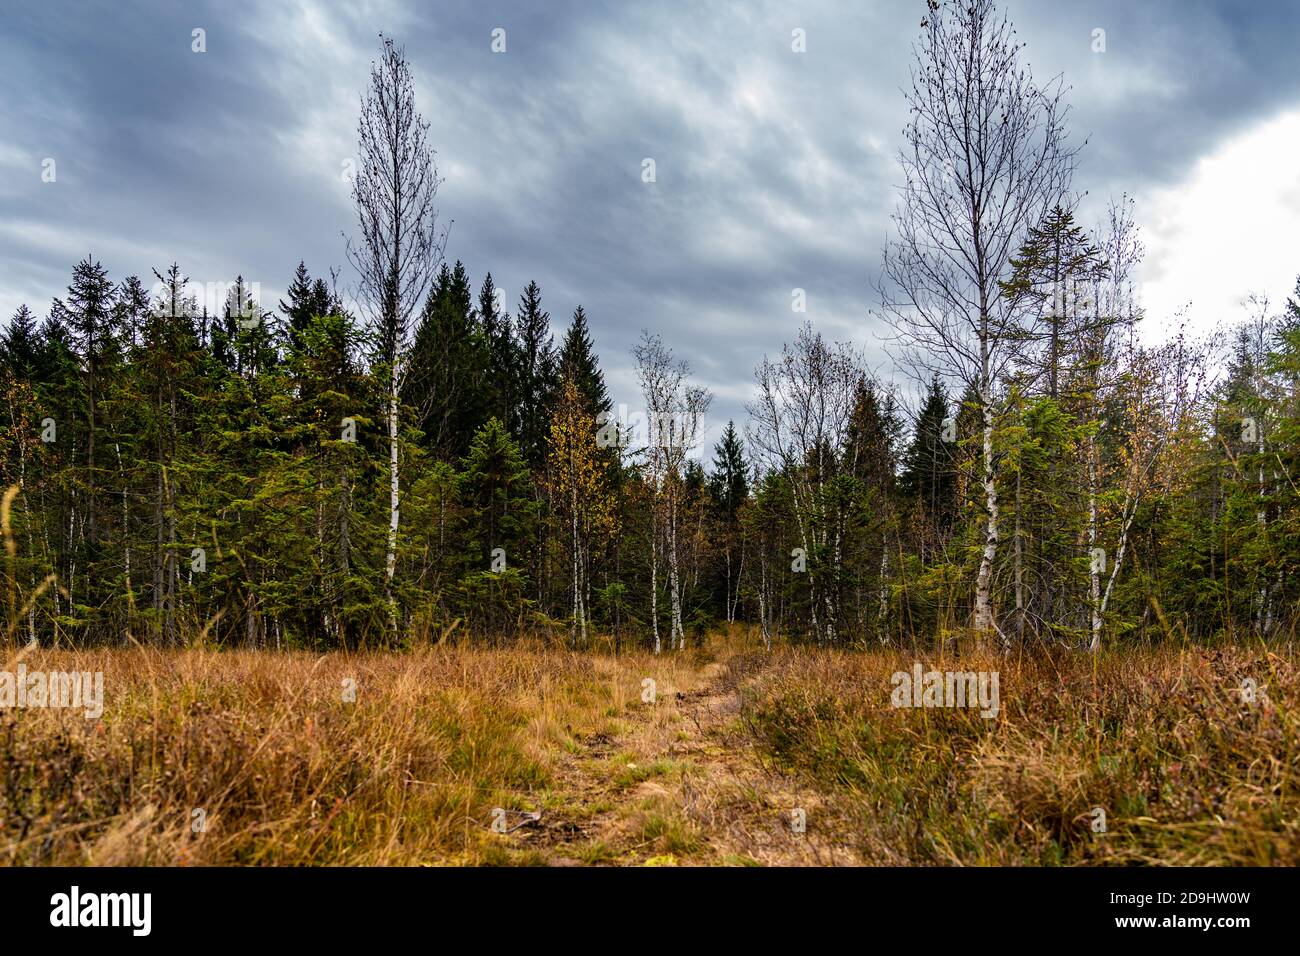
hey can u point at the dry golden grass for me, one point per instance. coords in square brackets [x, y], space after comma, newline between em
[1186, 771]
[283, 768]
[287, 772]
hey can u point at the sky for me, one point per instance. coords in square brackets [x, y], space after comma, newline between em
[775, 169]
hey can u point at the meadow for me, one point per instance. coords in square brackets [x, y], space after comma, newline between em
[723, 754]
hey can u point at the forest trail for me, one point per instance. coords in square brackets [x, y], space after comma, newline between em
[681, 783]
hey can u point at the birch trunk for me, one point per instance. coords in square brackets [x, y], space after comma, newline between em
[984, 582]
[390, 563]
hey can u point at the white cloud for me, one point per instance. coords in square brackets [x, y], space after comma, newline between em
[1231, 228]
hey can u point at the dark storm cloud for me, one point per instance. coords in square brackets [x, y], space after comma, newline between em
[775, 169]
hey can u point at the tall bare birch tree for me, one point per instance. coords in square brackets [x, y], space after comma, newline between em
[985, 159]
[399, 248]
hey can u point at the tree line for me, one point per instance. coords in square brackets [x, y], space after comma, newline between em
[418, 463]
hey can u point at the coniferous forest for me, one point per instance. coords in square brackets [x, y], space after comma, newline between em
[405, 567]
[179, 473]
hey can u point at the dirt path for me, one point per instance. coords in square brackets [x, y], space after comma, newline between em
[680, 783]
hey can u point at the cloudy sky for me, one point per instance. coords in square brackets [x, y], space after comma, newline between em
[775, 169]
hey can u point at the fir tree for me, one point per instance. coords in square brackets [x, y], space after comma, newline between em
[729, 490]
[20, 344]
[447, 367]
[538, 373]
[577, 361]
[501, 391]
[496, 489]
[1055, 270]
[929, 474]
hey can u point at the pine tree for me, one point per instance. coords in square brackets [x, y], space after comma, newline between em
[538, 369]
[729, 490]
[448, 366]
[929, 472]
[20, 344]
[502, 386]
[1055, 270]
[130, 310]
[577, 361]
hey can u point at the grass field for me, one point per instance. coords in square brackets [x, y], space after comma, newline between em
[206, 757]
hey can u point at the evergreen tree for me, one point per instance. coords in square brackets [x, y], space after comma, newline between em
[131, 310]
[501, 392]
[496, 487]
[538, 369]
[337, 438]
[246, 337]
[88, 312]
[168, 388]
[577, 361]
[448, 366]
[873, 433]
[1055, 270]
[929, 474]
[730, 478]
[500, 512]
[300, 306]
[729, 491]
[307, 299]
[20, 344]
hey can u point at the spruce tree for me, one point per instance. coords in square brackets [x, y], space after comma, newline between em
[729, 490]
[20, 344]
[88, 312]
[1054, 271]
[578, 362]
[299, 308]
[538, 373]
[307, 299]
[729, 481]
[130, 310]
[500, 393]
[447, 367]
[929, 473]
[496, 489]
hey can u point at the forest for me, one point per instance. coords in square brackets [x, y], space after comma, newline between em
[409, 459]
[178, 473]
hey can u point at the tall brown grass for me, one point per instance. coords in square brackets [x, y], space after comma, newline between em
[285, 771]
[281, 767]
[1185, 770]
